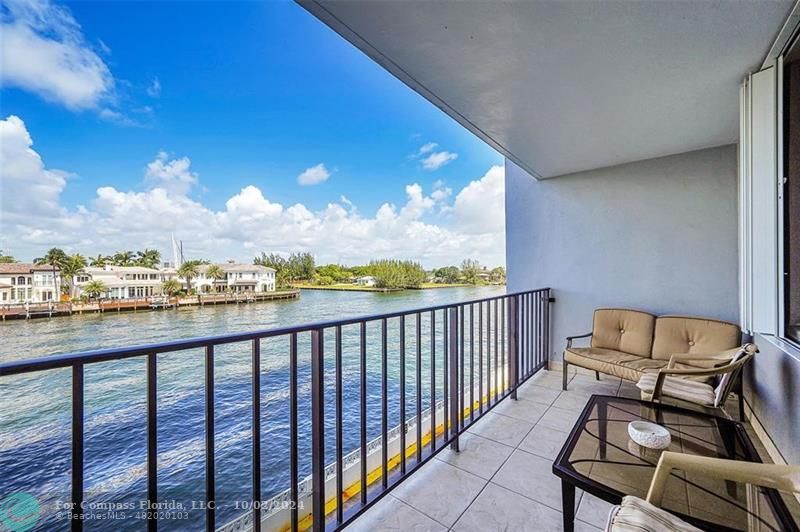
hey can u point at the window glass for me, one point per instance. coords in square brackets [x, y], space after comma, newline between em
[791, 199]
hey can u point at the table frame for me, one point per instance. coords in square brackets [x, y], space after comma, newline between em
[571, 479]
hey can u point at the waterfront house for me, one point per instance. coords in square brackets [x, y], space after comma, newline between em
[122, 282]
[366, 280]
[23, 282]
[237, 277]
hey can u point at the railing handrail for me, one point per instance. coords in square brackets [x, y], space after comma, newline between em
[118, 353]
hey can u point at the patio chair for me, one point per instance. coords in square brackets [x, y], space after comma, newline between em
[688, 387]
[635, 514]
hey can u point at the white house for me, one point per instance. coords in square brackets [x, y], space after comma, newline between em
[366, 280]
[23, 282]
[123, 282]
[237, 277]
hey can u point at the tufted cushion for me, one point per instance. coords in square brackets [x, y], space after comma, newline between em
[624, 365]
[681, 334]
[629, 331]
[638, 515]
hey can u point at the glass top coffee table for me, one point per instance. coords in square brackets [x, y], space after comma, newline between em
[600, 458]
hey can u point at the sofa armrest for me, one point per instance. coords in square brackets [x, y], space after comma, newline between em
[571, 338]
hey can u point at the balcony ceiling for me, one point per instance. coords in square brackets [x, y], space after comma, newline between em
[561, 87]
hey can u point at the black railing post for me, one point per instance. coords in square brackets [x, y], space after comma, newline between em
[402, 395]
[513, 349]
[210, 471]
[152, 442]
[339, 422]
[317, 430]
[384, 407]
[548, 347]
[363, 416]
[76, 512]
[256, 383]
[452, 329]
[293, 458]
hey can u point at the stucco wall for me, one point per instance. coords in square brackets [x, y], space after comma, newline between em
[658, 235]
[772, 389]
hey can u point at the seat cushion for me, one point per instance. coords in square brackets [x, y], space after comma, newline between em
[686, 390]
[638, 515]
[629, 331]
[681, 334]
[611, 362]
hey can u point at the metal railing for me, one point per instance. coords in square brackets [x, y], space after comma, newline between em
[488, 348]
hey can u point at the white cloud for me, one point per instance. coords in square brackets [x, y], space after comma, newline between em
[314, 175]
[33, 217]
[44, 52]
[103, 47]
[154, 89]
[427, 148]
[480, 206]
[440, 191]
[438, 159]
[26, 186]
[116, 117]
[174, 175]
[418, 204]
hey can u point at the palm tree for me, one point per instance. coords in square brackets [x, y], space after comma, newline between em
[215, 272]
[55, 257]
[94, 289]
[171, 287]
[99, 261]
[123, 258]
[188, 270]
[72, 266]
[148, 258]
[6, 258]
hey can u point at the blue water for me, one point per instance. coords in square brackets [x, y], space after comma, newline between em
[35, 409]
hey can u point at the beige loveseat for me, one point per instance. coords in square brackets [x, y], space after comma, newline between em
[628, 343]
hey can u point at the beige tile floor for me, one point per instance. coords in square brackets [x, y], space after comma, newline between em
[502, 479]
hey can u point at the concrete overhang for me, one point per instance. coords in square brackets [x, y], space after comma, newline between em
[559, 86]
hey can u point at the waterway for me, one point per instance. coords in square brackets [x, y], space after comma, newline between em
[35, 409]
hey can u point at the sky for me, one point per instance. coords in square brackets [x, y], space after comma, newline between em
[239, 127]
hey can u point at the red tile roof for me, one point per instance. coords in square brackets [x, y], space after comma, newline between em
[23, 268]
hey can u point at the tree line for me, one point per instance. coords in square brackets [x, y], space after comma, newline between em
[388, 273]
[297, 267]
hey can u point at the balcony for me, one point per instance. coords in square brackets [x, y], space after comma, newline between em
[625, 186]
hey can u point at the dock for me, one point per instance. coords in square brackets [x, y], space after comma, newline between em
[160, 303]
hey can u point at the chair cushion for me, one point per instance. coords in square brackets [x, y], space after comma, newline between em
[687, 390]
[681, 334]
[629, 331]
[611, 362]
[638, 515]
